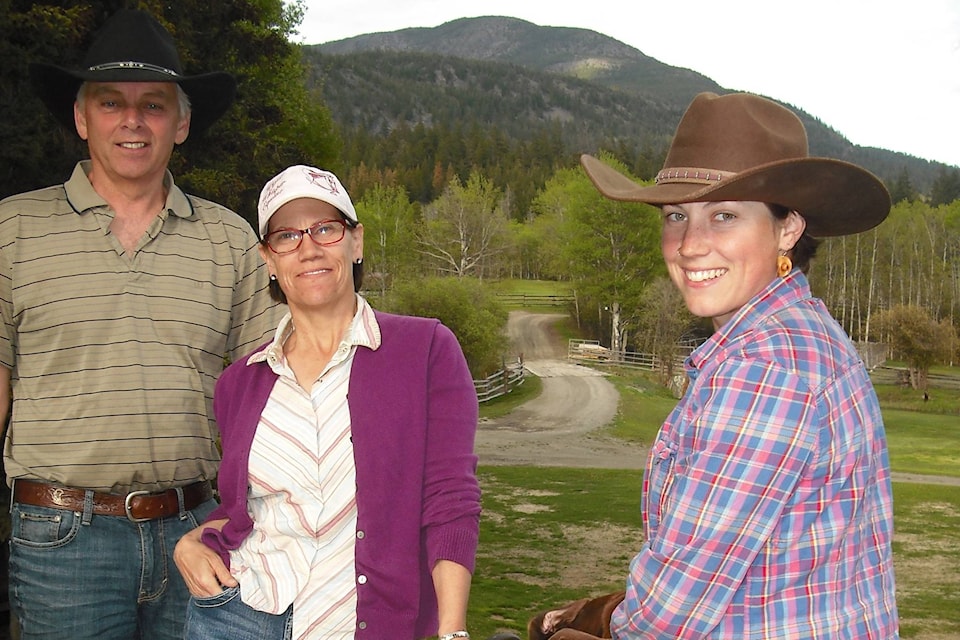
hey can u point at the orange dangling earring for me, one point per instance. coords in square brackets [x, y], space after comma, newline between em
[784, 265]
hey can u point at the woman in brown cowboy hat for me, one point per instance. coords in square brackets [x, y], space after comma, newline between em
[767, 500]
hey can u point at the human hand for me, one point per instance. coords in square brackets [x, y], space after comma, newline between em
[201, 567]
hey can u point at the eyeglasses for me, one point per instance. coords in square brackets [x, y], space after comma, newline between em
[323, 233]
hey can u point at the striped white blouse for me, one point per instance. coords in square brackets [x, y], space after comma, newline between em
[302, 494]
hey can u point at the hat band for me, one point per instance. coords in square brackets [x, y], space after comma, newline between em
[144, 66]
[688, 175]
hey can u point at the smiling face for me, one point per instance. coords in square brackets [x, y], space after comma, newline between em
[130, 129]
[314, 277]
[721, 254]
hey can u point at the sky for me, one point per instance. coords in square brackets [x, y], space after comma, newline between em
[883, 73]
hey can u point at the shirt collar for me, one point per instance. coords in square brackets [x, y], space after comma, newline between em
[82, 196]
[780, 294]
[364, 331]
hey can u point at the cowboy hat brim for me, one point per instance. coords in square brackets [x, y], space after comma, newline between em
[211, 94]
[835, 198]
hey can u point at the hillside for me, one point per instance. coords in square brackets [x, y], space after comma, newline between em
[578, 53]
[521, 78]
[377, 90]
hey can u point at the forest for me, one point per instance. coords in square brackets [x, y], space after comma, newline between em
[608, 253]
[468, 200]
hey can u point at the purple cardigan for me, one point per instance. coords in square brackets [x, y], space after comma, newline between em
[413, 411]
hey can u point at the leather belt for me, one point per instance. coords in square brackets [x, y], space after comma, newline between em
[136, 506]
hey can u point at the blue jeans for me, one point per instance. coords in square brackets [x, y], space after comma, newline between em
[225, 617]
[75, 575]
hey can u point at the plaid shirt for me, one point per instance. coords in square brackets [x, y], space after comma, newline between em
[767, 507]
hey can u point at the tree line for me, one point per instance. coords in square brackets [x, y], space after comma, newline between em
[889, 285]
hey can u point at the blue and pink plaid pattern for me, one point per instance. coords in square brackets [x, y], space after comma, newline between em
[767, 507]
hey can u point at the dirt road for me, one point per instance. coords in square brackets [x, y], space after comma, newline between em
[564, 426]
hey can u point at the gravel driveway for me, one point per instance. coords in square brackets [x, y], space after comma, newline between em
[563, 426]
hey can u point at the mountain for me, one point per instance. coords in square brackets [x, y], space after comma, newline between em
[565, 51]
[520, 78]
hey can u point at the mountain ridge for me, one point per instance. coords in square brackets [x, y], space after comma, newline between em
[572, 51]
[623, 93]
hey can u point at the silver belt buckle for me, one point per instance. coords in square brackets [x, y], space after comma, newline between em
[127, 506]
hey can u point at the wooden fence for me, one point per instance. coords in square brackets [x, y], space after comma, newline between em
[532, 300]
[901, 376]
[873, 355]
[593, 351]
[500, 383]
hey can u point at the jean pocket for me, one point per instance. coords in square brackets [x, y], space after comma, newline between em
[219, 600]
[42, 527]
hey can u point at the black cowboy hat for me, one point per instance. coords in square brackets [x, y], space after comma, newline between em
[133, 47]
[745, 147]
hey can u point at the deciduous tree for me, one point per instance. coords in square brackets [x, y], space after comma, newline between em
[662, 321]
[464, 231]
[467, 307]
[918, 339]
[609, 250]
[389, 236]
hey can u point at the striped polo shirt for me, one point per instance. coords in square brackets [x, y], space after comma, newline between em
[113, 357]
[303, 493]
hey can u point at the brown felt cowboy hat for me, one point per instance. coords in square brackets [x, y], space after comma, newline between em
[133, 47]
[744, 147]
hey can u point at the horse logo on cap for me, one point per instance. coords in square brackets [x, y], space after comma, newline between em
[324, 180]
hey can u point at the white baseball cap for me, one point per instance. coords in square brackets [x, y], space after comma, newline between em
[301, 181]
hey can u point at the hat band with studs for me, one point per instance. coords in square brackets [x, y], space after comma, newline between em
[144, 66]
[688, 175]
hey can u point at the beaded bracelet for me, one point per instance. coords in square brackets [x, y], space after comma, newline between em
[454, 635]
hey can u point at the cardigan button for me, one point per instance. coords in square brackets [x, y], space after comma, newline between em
[362, 579]
[362, 625]
[360, 535]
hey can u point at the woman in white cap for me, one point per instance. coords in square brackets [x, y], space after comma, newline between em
[350, 505]
[767, 508]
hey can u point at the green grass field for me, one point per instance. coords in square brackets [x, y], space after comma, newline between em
[549, 535]
[532, 287]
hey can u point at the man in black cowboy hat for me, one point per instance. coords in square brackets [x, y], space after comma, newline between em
[120, 297]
